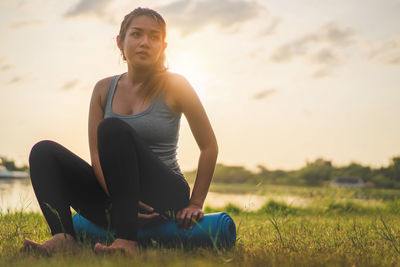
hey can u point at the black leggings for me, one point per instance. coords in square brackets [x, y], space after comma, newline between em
[131, 170]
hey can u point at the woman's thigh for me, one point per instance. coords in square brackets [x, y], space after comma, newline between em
[70, 178]
[160, 187]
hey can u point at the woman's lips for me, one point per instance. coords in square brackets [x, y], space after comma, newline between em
[142, 54]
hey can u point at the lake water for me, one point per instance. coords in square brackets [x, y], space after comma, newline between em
[17, 194]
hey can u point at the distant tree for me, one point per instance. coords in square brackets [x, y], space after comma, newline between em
[394, 168]
[381, 181]
[10, 165]
[272, 176]
[262, 170]
[317, 172]
[231, 174]
[355, 169]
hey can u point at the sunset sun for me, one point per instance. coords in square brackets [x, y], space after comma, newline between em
[187, 65]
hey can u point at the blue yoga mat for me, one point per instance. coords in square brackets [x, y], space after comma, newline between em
[216, 229]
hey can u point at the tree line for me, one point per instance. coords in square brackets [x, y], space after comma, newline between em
[10, 165]
[318, 173]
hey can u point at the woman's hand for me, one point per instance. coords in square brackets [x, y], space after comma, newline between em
[145, 218]
[187, 217]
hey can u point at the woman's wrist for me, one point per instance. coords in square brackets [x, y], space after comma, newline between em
[196, 203]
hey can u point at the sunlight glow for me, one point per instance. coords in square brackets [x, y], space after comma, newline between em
[187, 65]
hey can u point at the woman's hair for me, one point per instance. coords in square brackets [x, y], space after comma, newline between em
[156, 82]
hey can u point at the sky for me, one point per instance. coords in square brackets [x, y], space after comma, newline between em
[283, 82]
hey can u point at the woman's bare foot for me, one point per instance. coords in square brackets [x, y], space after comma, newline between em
[127, 247]
[58, 243]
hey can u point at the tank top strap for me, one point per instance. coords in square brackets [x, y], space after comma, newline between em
[111, 90]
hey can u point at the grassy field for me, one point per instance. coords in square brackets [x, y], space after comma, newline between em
[338, 228]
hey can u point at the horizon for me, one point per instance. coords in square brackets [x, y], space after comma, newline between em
[282, 82]
[255, 168]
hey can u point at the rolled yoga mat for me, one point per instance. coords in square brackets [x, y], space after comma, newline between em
[214, 230]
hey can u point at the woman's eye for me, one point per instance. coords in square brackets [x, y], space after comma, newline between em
[155, 37]
[135, 34]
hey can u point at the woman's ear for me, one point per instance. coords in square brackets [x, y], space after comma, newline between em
[120, 45]
[119, 42]
[165, 46]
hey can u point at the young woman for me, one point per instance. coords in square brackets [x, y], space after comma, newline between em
[133, 132]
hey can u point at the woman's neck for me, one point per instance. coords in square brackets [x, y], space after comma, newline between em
[138, 75]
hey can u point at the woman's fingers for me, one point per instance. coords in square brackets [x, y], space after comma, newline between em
[187, 220]
[192, 220]
[201, 216]
[180, 216]
[189, 216]
[196, 217]
[145, 207]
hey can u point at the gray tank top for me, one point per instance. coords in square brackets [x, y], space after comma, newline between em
[158, 126]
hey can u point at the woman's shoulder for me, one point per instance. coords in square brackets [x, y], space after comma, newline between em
[176, 81]
[177, 91]
[177, 85]
[100, 90]
[103, 84]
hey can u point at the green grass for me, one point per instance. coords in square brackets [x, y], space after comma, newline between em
[329, 232]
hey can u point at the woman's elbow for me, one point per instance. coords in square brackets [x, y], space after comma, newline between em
[213, 149]
[210, 147]
[216, 149]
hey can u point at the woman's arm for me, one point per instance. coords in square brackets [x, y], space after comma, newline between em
[189, 104]
[96, 115]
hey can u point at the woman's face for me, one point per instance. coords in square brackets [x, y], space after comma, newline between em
[143, 44]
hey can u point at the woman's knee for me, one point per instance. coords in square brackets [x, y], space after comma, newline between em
[111, 127]
[40, 149]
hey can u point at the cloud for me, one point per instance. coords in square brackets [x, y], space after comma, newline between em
[387, 52]
[5, 67]
[325, 56]
[16, 79]
[23, 24]
[69, 85]
[326, 59]
[322, 48]
[395, 59]
[190, 16]
[264, 94]
[23, 4]
[320, 73]
[330, 34]
[88, 7]
[270, 29]
[335, 34]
